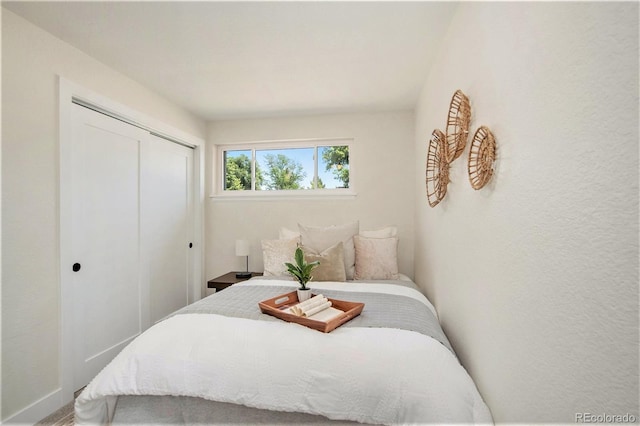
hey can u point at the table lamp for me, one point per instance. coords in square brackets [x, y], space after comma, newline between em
[242, 249]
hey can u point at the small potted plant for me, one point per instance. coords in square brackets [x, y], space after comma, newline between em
[302, 272]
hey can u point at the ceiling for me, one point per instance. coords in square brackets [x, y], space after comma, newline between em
[226, 60]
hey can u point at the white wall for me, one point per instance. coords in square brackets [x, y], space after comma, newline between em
[382, 173]
[31, 61]
[535, 277]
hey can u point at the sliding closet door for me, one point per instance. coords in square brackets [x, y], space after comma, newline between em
[109, 307]
[167, 224]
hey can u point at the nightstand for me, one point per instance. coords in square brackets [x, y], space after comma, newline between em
[228, 279]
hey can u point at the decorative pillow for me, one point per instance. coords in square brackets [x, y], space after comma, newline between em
[288, 234]
[331, 267]
[321, 238]
[275, 253]
[376, 258]
[388, 232]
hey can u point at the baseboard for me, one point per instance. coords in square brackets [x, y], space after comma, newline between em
[38, 410]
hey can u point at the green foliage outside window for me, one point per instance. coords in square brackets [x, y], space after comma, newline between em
[238, 173]
[336, 159]
[320, 184]
[283, 173]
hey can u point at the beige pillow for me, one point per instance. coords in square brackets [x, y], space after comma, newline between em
[376, 258]
[331, 267]
[288, 234]
[387, 232]
[275, 253]
[321, 238]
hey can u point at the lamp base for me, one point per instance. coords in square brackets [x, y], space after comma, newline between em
[243, 275]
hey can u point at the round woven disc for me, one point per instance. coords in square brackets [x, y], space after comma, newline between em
[458, 122]
[482, 156]
[437, 174]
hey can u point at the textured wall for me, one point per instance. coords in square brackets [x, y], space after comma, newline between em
[382, 174]
[535, 277]
[31, 61]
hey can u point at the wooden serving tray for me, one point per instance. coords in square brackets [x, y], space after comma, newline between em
[276, 306]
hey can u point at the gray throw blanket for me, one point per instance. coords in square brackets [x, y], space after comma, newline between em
[380, 310]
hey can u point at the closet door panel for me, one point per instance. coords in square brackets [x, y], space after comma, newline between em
[167, 224]
[106, 240]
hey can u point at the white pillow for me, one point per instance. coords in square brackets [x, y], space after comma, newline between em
[287, 234]
[275, 253]
[321, 238]
[331, 267]
[376, 258]
[387, 232]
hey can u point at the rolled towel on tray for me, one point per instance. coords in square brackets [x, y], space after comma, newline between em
[312, 306]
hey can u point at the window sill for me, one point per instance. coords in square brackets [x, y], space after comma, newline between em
[317, 195]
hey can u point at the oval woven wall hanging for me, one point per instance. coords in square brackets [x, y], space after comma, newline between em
[458, 122]
[482, 156]
[437, 174]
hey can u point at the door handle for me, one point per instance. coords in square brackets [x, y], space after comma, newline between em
[190, 245]
[76, 267]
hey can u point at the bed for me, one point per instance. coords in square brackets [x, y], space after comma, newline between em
[222, 361]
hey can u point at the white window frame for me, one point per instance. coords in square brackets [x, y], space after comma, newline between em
[219, 169]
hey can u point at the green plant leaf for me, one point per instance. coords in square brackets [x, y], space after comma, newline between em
[301, 270]
[299, 256]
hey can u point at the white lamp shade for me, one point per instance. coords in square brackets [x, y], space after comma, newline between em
[242, 248]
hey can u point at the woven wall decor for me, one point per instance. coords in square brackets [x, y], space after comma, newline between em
[482, 156]
[437, 174]
[458, 123]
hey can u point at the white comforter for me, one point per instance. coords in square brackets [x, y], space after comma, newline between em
[370, 375]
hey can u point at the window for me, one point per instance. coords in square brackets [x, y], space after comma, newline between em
[319, 167]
